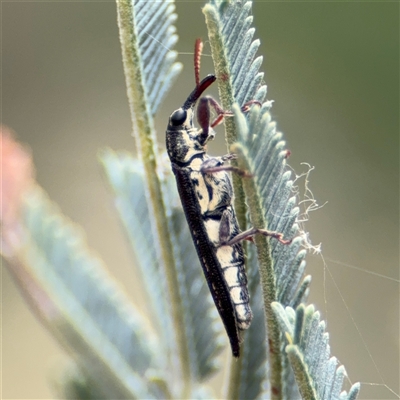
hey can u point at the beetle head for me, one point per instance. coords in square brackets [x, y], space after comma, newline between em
[183, 140]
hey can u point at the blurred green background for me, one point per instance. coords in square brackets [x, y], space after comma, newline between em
[332, 69]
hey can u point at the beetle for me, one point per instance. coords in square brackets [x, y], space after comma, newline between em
[206, 193]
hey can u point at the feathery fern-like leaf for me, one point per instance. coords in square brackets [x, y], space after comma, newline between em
[265, 149]
[232, 22]
[109, 337]
[316, 371]
[125, 176]
[155, 32]
[265, 154]
[233, 52]
[270, 194]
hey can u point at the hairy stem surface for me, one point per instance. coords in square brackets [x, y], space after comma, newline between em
[144, 134]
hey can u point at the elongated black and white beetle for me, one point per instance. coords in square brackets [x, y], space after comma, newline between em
[205, 190]
[206, 193]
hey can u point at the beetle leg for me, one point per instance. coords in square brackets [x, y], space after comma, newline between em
[222, 113]
[204, 114]
[231, 168]
[203, 118]
[215, 164]
[224, 228]
[246, 106]
[253, 231]
[230, 156]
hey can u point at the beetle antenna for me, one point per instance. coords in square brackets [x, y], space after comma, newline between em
[198, 48]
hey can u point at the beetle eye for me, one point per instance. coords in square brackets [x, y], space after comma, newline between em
[178, 117]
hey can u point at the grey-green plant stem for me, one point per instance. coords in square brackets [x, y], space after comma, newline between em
[267, 274]
[143, 133]
[233, 380]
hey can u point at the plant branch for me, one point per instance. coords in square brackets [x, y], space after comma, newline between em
[267, 274]
[144, 134]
